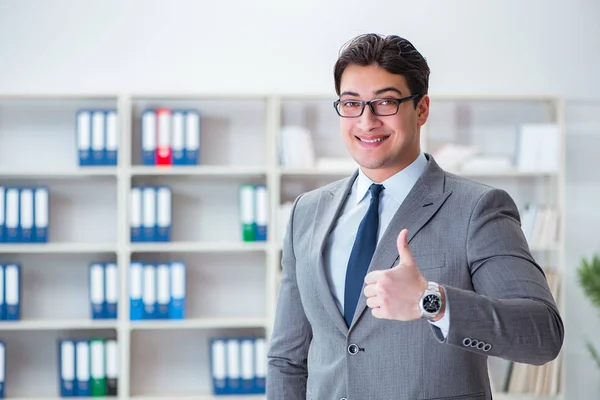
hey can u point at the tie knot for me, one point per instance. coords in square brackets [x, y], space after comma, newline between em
[375, 189]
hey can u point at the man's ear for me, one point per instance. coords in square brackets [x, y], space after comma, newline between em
[423, 110]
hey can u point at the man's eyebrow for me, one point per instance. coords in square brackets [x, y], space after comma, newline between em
[387, 89]
[347, 93]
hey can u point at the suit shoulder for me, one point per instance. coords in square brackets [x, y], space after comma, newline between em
[312, 197]
[470, 189]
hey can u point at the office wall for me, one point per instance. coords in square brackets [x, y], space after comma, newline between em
[473, 47]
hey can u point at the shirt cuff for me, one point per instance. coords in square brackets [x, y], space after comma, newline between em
[444, 322]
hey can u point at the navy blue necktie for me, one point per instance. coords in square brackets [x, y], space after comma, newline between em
[362, 252]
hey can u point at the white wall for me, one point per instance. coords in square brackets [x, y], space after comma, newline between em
[473, 47]
[509, 46]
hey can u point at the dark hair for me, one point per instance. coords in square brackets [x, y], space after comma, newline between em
[394, 53]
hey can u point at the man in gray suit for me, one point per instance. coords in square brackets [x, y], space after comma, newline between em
[401, 280]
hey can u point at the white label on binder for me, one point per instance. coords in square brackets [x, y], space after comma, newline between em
[163, 296]
[112, 138]
[2, 362]
[247, 359]
[41, 207]
[26, 208]
[112, 359]
[12, 208]
[97, 360]
[149, 295]
[178, 131]
[260, 357]
[67, 360]
[12, 284]
[98, 131]
[247, 204]
[233, 358]
[1, 206]
[1, 285]
[112, 287]
[83, 130]
[178, 280]
[192, 130]
[149, 206]
[218, 359]
[149, 131]
[96, 283]
[164, 129]
[136, 207]
[164, 207]
[83, 361]
[262, 206]
[135, 280]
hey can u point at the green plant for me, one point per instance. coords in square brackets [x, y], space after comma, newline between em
[589, 279]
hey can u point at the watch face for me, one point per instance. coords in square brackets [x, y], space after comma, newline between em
[432, 303]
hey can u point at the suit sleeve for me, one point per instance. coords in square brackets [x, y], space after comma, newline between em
[511, 309]
[287, 357]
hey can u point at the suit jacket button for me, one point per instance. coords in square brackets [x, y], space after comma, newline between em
[487, 347]
[353, 349]
[343, 398]
[466, 342]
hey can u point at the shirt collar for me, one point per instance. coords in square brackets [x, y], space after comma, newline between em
[398, 185]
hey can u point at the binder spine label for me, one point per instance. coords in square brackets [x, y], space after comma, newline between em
[26, 209]
[149, 137]
[163, 295]
[82, 364]
[163, 203]
[177, 306]
[136, 214]
[163, 150]
[135, 292]
[98, 137]
[178, 145]
[67, 368]
[246, 206]
[149, 291]
[84, 137]
[12, 215]
[41, 214]
[261, 212]
[192, 137]
[149, 214]
[12, 301]
[112, 138]
[112, 290]
[97, 298]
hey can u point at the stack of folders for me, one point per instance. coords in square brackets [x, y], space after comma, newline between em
[97, 137]
[150, 214]
[104, 290]
[23, 214]
[88, 368]
[170, 136]
[157, 290]
[2, 367]
[254, 212]
[10, 292]
[238, 365]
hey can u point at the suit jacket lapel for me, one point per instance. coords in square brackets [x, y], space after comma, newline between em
[422, 202]
[329, 206]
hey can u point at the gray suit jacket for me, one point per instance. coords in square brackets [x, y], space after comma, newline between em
[462, 234]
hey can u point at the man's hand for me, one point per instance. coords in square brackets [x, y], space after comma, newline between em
[395, 293]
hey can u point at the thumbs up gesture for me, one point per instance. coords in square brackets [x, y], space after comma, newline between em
[395, 293]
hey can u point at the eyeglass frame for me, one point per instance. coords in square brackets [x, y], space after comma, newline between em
[400, 100]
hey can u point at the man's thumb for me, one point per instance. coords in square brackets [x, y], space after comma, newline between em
[403, 251]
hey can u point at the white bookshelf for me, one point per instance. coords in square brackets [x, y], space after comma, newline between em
[231, 285]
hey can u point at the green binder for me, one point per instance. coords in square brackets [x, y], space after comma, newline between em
[246, 208]
[97, 369]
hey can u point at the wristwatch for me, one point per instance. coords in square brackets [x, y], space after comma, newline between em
[431, 301]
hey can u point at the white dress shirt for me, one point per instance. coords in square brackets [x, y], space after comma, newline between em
[340, 241]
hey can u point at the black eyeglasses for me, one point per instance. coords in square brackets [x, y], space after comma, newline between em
[379, 107]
